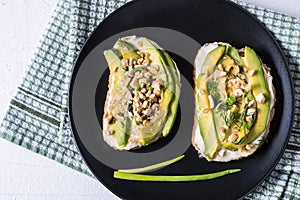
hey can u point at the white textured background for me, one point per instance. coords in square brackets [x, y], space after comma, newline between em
[23, 174]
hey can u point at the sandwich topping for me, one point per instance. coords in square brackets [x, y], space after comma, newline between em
[142, 99]
[145, 87]
[234, 101]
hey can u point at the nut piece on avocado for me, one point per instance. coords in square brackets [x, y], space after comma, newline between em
[205, 110]
[238, 93]
[249, 146]
[251, 103]
[249, 118]
[251, 111]
[109, 132]
[233, 137]
[211, 102]
[222, 131]
[251, 72]
[221, 152]
[260, 98]
[202, 91]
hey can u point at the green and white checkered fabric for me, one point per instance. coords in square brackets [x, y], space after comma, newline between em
[37, 116]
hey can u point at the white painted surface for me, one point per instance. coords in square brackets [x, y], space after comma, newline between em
[24, 174]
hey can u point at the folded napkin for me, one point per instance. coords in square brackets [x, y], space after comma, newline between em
[37, 116]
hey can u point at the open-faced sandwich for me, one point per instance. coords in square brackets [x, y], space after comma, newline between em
[234, 99]
[143, 91]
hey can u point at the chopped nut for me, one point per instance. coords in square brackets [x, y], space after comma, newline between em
[233, 137]
[251, 72]
[221, 152]
[156, 92]
[219, 74]
[251, 111]
[251, 103]
[220, 67]
[232, 82]
[222, 131]
[130, 68]
[145, 104]
[260, 98]
[249, 118]
[140, 61]
[238, 92]
[148, 93]
[234, 130]
[145, 122]
[145, 62]
[211, 102]
[153, 97]
[237, 85]
[205, 110]
[135, 99]
[156, 85]
[124, 62]
[202, 91]
[109, 132]
[235, 70]
[134, 62]
[146, 112]
[143, 85]
[141, 96]
[242, 76]
[130, 61]
[249, 146]
[141, 54]
[143, 90]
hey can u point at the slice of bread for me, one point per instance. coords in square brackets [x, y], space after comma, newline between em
[134, 133]
[223, 154]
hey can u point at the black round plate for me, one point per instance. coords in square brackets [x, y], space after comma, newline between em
[192, 23]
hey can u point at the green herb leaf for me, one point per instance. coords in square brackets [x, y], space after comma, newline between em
[212, 87]
[137, 88]
[231, 100]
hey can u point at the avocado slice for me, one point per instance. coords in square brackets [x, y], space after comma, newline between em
[159, 58]
[212, 59]
[175, 84]
[234, 53]
[227, 62]
[205, 115]
[127, 49]
[113, 58]
[230, 146]
[206, 120]
[121, 128]
[259, 85]
[167, 96]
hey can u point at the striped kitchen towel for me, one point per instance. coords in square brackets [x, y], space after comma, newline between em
[37, 116]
